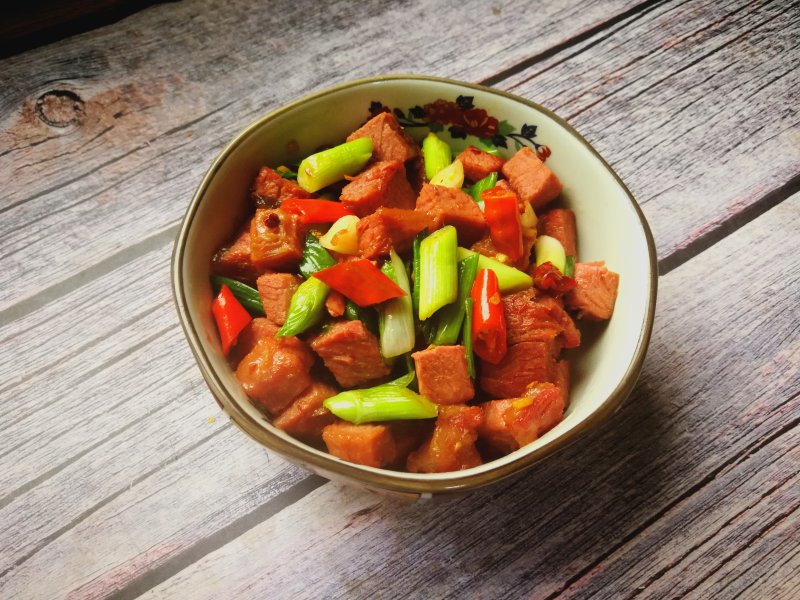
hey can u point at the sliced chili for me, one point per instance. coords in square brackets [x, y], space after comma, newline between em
[315, 211]
[547, 277]
[488, 318]
[231, 317]
[501, 211]
[360, 281]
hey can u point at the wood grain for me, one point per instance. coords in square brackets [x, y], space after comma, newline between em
[683, 101]
[151, 121]
[691, 489]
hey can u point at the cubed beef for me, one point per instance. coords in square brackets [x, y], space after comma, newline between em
[524, 363]
[306, 417]
[560, 224]
[510, 424]
[531, 179]
[486, 247]
[270, 189]
[532, 316]
[335, 304]
[595, 291]
[451, 206]
[389, 141]
[382, 184]
[233, 260]
[442, 374]
[370, 445]
[408, 436]
[276, 240]
[562, 380]
[451, 446]
[478, 164]
[389, 228]
[275, 372]
[415, 173]
[351, 352]
[276, 290]
[248, 338]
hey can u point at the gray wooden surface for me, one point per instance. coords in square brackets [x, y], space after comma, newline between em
[118, 475]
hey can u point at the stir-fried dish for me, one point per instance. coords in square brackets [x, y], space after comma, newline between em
[405, 309]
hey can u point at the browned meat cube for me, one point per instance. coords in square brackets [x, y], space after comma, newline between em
[370, 445]
[595, 291]
[276, 290]
[451, 447]
[255, 330]
[335, 304]
[270, 189]
[524, 363]
[561, 379]
[382, 184]
[389, 141]
[486, 246]
[275, 371]
[478, 164]
[442, 374]
[306, 417]
[389, 228]
[233, 260]
[531, 316]
[560, 224]
[451, 206]
[276, 240]
[531, 179]
[510, 424]
[351, 352]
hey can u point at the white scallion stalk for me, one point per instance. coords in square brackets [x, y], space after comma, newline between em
[438, 266]
[329, 166]
[380, 403]
[342, 237]
[549, 249]
[451, 176]
[397, 315]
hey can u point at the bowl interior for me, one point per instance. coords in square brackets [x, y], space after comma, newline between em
[610, 228]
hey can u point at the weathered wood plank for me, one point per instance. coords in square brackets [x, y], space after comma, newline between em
[699, 467]
[150, 118]
[695, 104]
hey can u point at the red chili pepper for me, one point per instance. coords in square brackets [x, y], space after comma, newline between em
[488, 318]
[231, 317]
[360, 281]
[547, 277]
[501, 211]
[315, 211]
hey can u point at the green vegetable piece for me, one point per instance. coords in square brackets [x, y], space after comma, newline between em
[437, 155]
[396, 324]
[403, 381]
[380, 403]
[245, 294]
[448, 327]
[329, 166]
[509, 279]
[415, 270]
[305, 308]
[469, 303]
[549, 249]
[438, 271]
[315, 257]
[482, 185]
[569, 266]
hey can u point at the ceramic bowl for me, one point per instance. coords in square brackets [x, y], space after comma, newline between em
[611, 227]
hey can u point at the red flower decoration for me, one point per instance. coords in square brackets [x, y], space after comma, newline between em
[543, 152]
[443, 112]
[476, 121]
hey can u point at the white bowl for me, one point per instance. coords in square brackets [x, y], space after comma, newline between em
[611, 227]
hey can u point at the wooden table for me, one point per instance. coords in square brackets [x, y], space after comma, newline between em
[119, 475]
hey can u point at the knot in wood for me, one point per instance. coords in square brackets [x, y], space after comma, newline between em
[60, 108]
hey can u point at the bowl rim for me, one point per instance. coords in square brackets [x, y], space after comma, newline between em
[458, 481]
